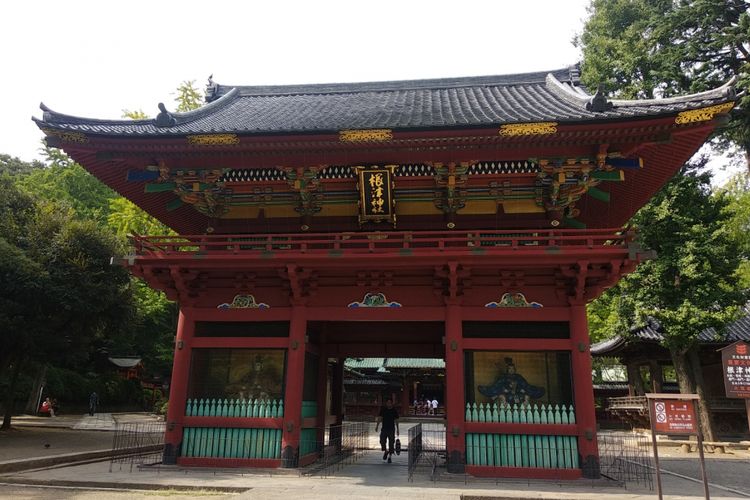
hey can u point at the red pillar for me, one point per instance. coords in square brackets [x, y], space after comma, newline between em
[178, 385]
[295, 375]
[583, 391]
[454, 385]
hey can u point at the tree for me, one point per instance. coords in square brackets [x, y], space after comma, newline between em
[691, 285]
[11, 165]
[61, 293]
[188, 97]
[661, 48]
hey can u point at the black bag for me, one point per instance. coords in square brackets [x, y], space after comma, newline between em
[398, 447]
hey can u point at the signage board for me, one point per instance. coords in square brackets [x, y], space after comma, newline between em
[735, 363]
[674, 416]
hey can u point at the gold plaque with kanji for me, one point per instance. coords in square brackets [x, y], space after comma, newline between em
[376, 201]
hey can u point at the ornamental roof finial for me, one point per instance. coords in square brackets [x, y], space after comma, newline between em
[164, 118]
[599, 101]
[212, 88]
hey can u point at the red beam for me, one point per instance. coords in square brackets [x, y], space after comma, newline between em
[515, 314]
[263, 463]
[517, 344]
[375, 350]
[523, 472]
[241, 342]
[376, 313]
[535, 429]
[269, 314]
[234, 422]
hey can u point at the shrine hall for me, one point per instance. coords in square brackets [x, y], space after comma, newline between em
[463, 219]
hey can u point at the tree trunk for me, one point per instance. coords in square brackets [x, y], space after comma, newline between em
[635, 381]
[32, 404]
[683, 371]
[16, 371]
[657, 376]
[706, 416]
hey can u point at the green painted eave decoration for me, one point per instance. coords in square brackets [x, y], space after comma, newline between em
[598, 194]
[611, 175]
[174, 204]
[573, 223]
[159, 187]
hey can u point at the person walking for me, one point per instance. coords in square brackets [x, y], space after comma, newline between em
[93, 403]
[389, 419]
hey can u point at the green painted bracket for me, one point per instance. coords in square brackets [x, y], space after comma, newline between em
[573, 224]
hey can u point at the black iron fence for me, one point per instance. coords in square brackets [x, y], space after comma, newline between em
[626, 458]
[140, 443]
[341, 445]
[426, 449]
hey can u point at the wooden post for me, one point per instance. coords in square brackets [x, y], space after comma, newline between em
[178, 386]
[321, 394]
[747, 411]
[295, 374]
[583, 391]
[454, 384]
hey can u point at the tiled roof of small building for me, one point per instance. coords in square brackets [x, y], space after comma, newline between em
[414, 363]
[652, 331]
[554, 96]
[363, 363]
[126, 362]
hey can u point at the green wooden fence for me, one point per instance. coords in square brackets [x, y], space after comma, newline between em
[521, 450]
[244, 408]
[309, 409]
[308, 441]
[219, 442]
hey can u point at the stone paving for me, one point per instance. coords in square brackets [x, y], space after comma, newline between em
[370, 477]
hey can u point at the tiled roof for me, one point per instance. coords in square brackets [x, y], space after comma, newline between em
[363, 363]
[400, 105]
[414, 363]
[652, 331]
[128, 362]
[364, 381]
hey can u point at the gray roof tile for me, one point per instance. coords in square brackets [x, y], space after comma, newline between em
[416, 104]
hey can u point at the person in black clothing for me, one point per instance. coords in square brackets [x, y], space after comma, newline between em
[389, 419]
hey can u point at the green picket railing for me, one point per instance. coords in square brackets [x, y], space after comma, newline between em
[520, 414]
[244, 408]
[521, 450]
[219, 442]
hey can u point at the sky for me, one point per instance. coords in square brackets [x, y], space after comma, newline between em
[97, 58]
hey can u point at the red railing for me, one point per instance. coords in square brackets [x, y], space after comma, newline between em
[403, 242]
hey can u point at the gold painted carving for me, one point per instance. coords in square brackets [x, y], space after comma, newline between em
[539, 128]
[703, 114]
[375, 135]
[67, 136]
[213, 139]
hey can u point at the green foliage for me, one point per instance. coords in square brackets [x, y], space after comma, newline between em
[692, 284]
[66, 182]
[125, 217]
[737, 191]
[188, 97]
[137, 114]
[647, 48]
[13, 166]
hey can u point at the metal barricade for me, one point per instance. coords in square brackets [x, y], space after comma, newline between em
[626, 458]
[139, 443]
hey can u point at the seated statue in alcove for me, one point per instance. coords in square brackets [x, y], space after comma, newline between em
[511, 387]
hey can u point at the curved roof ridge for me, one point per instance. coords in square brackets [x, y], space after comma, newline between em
[51, 117]
[393, 85]
[576, 97]
[726, 91]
